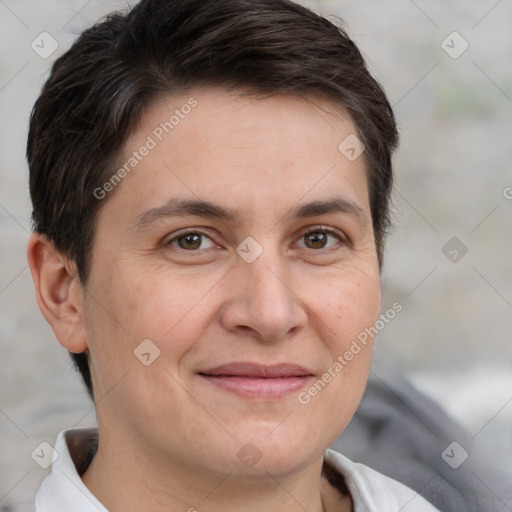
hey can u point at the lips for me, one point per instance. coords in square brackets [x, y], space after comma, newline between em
[258, 381]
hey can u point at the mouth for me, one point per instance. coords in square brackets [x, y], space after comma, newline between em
[257, 381]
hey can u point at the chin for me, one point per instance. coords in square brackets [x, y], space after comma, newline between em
[277, 451]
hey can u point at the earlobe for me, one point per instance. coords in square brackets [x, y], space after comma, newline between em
[58, 291]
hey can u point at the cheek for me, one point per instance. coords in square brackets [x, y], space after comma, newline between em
[165, 307]
[347, 306]
[125, 309]
[344, 311]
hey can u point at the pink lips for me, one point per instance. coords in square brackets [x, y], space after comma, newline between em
[252, 380]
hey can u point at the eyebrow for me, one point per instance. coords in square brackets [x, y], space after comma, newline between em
[182, 208]
[194, 207]
[334, 205]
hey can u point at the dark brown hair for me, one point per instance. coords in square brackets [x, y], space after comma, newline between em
[97, 91]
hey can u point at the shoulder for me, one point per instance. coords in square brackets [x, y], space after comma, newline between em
[375, 491]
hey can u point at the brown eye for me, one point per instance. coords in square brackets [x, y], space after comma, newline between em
[315, 240]
[191, 241]
[320, 239]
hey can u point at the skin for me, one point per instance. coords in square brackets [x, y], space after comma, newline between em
[168, 438]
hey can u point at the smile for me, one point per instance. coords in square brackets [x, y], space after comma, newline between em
[258, 381]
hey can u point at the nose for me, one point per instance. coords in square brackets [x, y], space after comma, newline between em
[262, 301]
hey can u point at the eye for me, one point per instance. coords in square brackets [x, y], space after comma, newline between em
[320, 238]
[190, 241]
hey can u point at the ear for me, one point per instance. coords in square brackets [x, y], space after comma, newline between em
[59, 292]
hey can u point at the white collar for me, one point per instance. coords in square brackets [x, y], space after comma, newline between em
[64, 491]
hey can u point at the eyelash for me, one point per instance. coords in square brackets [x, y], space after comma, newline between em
[330, 231]
[168, 241]
[315, 229]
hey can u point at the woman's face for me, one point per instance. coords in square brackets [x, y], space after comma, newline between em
[233, 264]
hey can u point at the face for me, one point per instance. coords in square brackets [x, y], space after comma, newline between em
[239, 246]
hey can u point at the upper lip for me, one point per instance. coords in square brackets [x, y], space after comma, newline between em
[244, 369]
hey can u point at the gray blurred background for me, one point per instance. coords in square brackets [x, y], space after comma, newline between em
[448, 257]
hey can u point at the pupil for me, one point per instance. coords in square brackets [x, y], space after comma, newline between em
[317, 240]
[190, 241]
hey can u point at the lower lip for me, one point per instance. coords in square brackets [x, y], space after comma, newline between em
[257, 387]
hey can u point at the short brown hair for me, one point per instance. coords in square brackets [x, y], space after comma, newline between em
[97, 91]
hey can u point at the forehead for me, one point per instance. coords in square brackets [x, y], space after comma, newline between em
[219, 114]
[210, 143]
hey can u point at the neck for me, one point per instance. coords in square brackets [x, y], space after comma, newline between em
[132, 480]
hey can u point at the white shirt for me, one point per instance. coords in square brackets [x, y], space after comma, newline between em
[64, 491]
